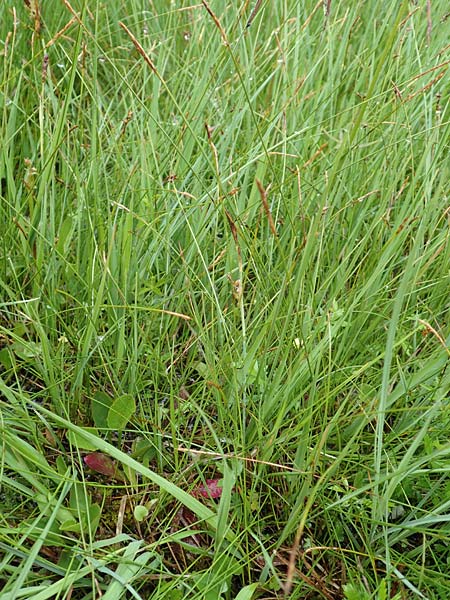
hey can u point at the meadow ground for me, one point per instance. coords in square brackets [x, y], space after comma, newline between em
[224, 275]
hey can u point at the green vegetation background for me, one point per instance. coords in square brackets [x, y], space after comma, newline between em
[224, 266]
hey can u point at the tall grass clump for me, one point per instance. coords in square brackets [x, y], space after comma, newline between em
[224, 296]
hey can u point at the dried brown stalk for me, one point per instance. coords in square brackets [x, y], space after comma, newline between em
[217, 23]
[139, 48]
[263, 194]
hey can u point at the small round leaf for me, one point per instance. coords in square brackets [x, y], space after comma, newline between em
[140, 512]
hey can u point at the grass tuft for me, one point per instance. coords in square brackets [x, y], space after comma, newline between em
[224, 314]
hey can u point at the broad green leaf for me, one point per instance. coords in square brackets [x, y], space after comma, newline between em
[79, 441]
[247, 592]
[93, 518]
[100, 406]
[5, 358]
[70, 525]
[79, 500]
[121, 411]
[140, 512]
[26, 350]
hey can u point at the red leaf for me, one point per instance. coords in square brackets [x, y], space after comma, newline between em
[101, 463]
[210, 490]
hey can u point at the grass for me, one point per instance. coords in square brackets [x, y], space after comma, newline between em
[224, 262]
